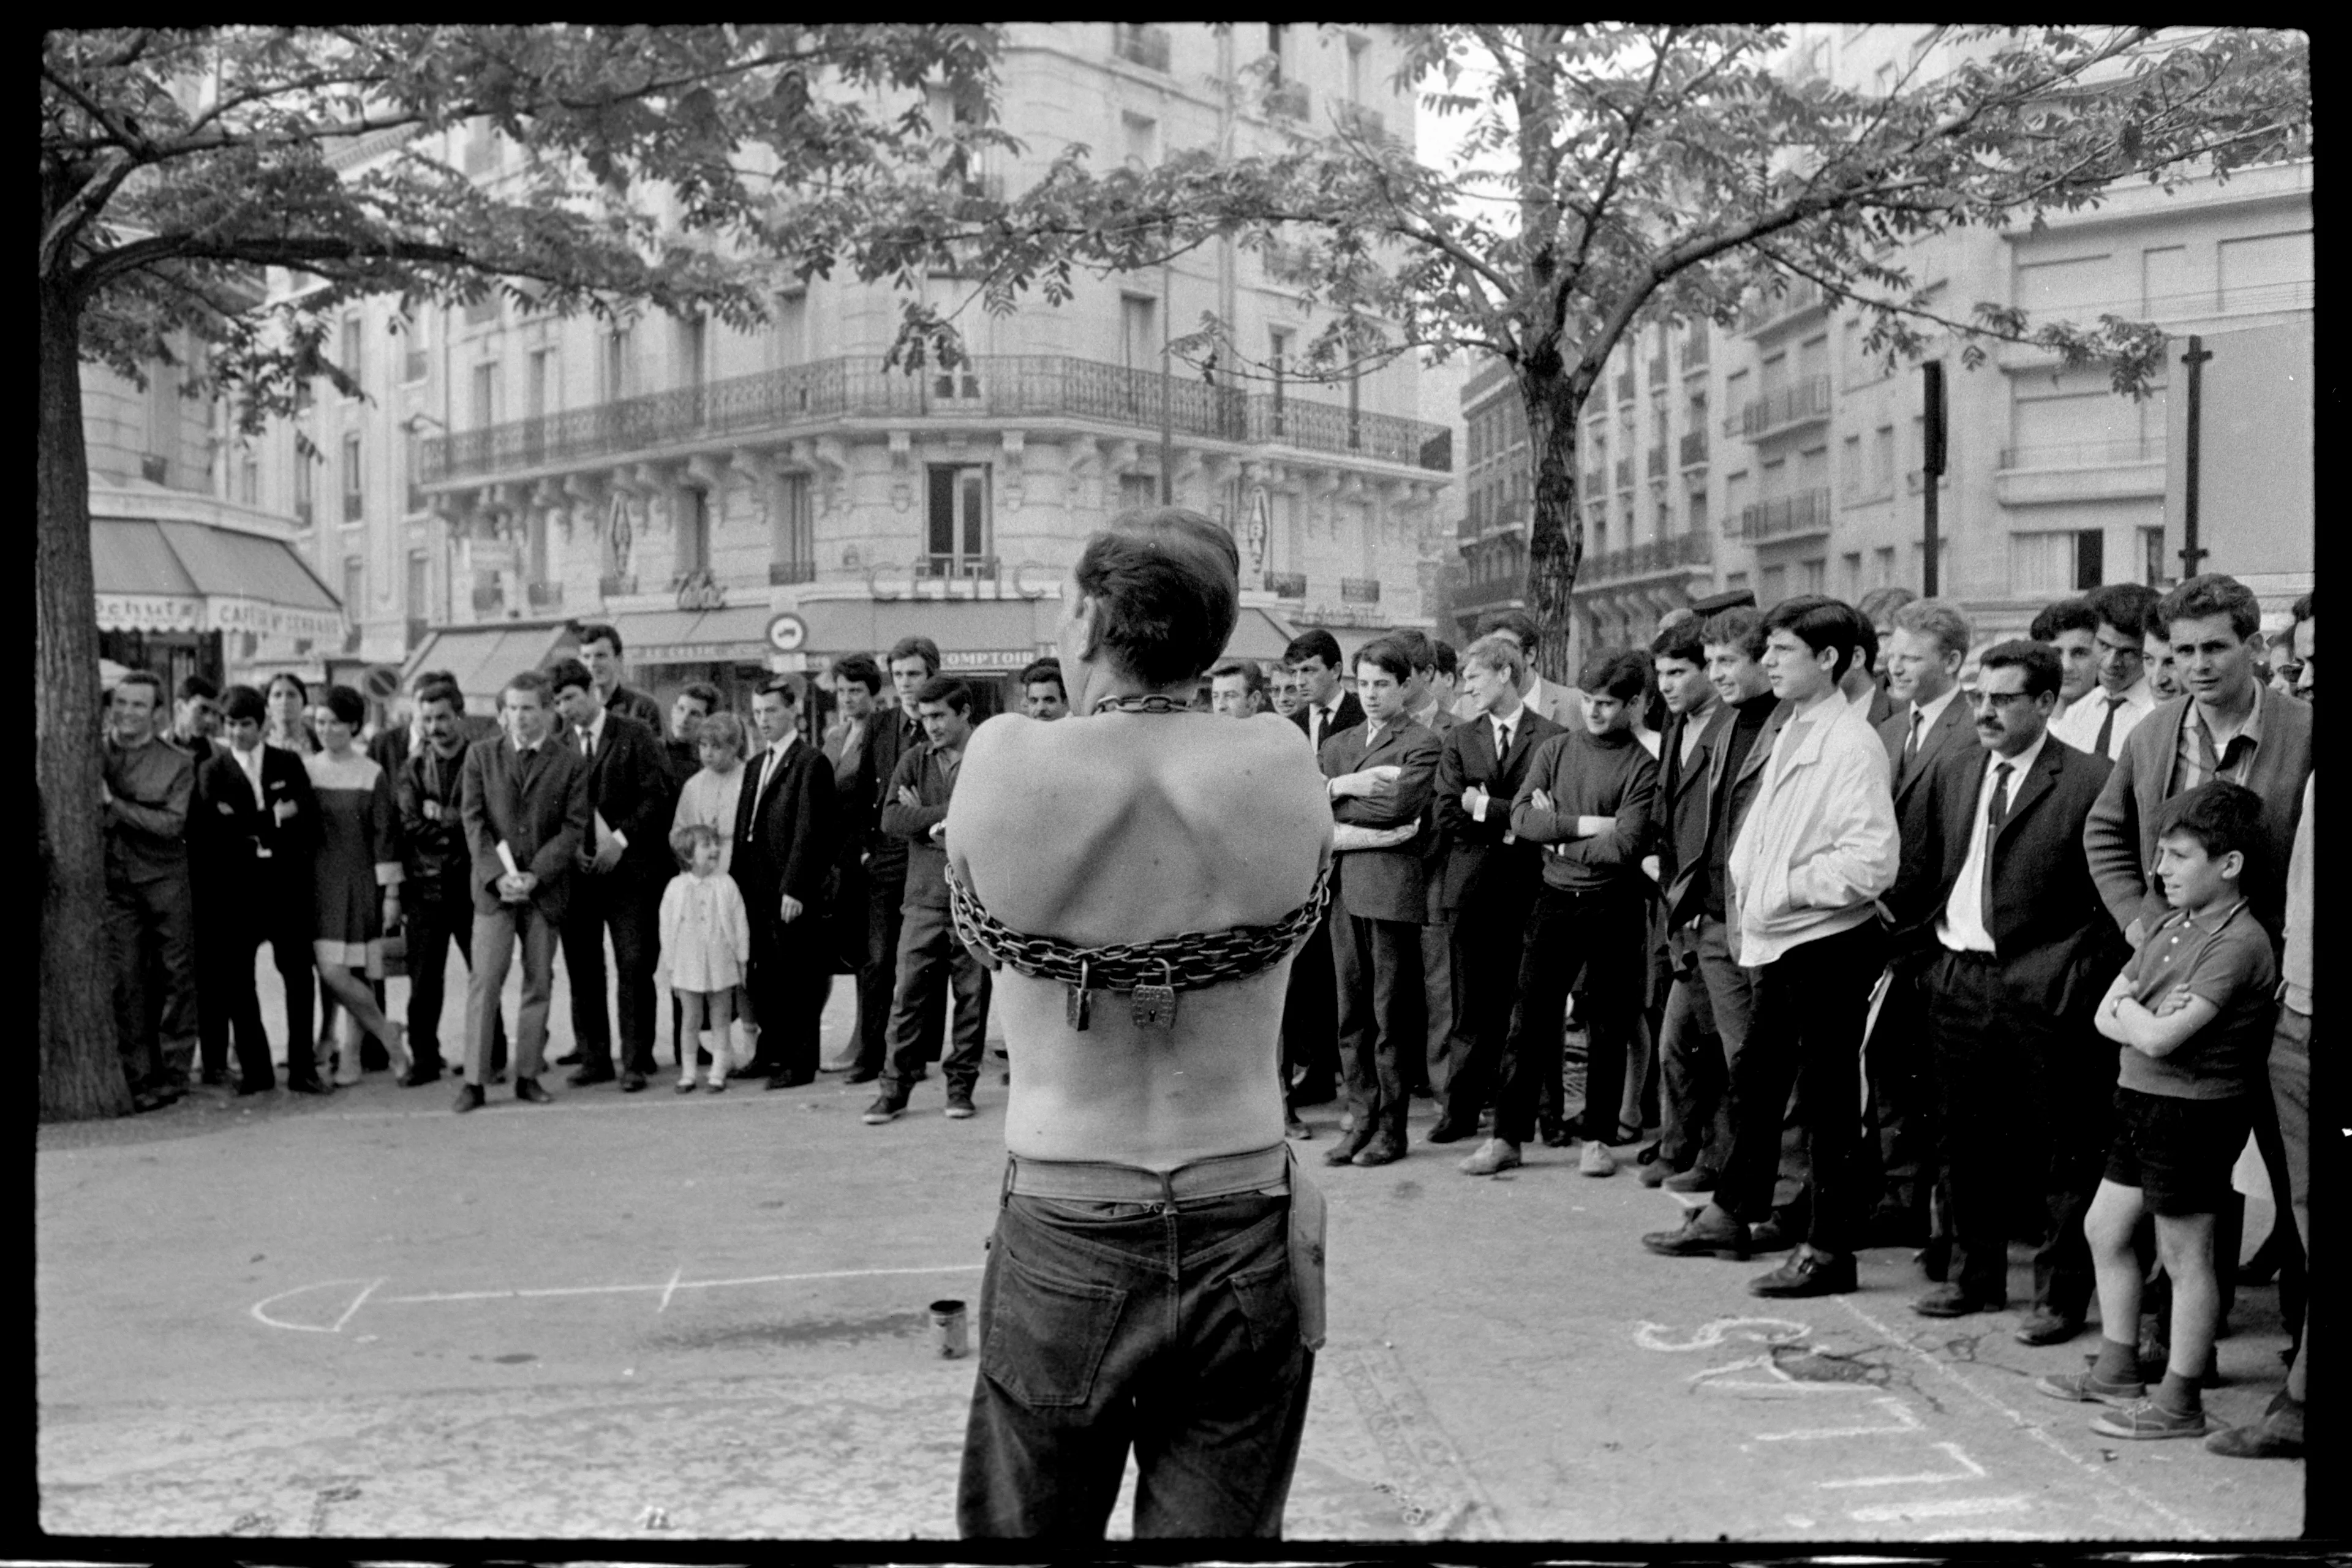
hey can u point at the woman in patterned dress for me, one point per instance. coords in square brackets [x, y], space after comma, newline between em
[357, 876]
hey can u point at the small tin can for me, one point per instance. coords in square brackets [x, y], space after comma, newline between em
[948, 1318]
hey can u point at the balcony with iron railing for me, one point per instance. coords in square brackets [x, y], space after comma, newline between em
[1360, 590]
[1287, 585]
[1802, 402]
[2084, 454]
[1011, 386]
[1659, 555]
[1783, 517]
[1770, 310]
[1141, 43]
[1693, 451]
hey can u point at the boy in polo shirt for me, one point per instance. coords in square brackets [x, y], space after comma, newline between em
[2192, 1011]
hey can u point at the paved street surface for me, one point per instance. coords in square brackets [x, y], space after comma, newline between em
[663, 1316]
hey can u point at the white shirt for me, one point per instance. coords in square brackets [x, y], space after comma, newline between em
[2079, 725]
[249, 763]
[1962, 927]
[594, 731]
[1503, 731]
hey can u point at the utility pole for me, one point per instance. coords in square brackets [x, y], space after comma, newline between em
[2191, 553]
[1931, 469]
[1167, 388]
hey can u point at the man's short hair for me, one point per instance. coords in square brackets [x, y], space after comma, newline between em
[1880, 602]
[1252, 676]
[2045, 671]
[1449, 663]
[780, 686]
[1865, 646]
[861, 669]
[1618, 672]
[598, 631]
[2125, 607]
[1935, 619]
[702, 691]
[1517, 622]
[1417, 647]
[346, 703]
[145, 678]
[193, 687]
[1681, 639]
[1740, 627]
[1315, 643]
[240, 703]
[2302, 611]
[920, 647]
[2211, 594]
[2066, 616]
[1045, 669]
[1166, 583]
[947, 689]
[1821, 622]
[426, 677]
[534, 682]
[2220, 815]
[442, 691]
[566, 673]
[1498, 653]
[1388, 654]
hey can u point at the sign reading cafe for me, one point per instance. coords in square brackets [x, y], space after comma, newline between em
[217, 613]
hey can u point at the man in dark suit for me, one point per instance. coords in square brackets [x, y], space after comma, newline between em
[1930, 723]
[1381, 774]
[1424, 1073]
[1996, 894]
[1690, 1056]
[525, 804]
[197, 719]
[1311, 1019]
[864, 933]
[697, 700]
[787, 864]
[599, 651]
[253, 828]
[891, 733]
[437, 888]
[1490, 876]
[623, 868]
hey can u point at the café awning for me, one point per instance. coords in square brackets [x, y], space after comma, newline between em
[164, 576]
[483, 657]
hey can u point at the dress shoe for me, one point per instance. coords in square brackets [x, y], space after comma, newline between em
[862, 1075]
[1807, 1273]
[1954, 1301]
[419, 1075]
[1699, 1237]
[2277, 1436]
[790, 1080]
[469, 1097]
[1495, 1155]
[1344, 1151]
[305, 1086]
[527, 1089]
[1934, 1260]
[580, 1077]
[633, 1083]
[568, 1060]
[1384, 1149]
[2045, 1328]
[1770, 1235]
[1448, 1131]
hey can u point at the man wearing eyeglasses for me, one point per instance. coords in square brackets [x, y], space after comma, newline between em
[2099, 719]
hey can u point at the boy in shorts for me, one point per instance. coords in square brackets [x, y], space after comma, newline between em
[2193, 1012]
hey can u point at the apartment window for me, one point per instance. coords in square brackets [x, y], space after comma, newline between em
[353, 488]
[417, 360]
[791, 327]
[795, 541]
[1138, 490]
[420, 578]
[248, 479]
[486, 396]
[354, 583]
[617, 365]
[2041, 563]
[1142, 135]
[1277, 44]
[1850, 575]
[1139, 335]
[1699, 512]
[1278, 362]
[1813, 575]
[1881, 460]
[2151, 557]
[693, 531]
[1882, 561]
[1850, 468]
[694, 347]
[1666, 519]
[354, 351]
[957, 514]
[542, 367]
[2090, 558]
[306, 487]
[412, 467]
[1356, 52]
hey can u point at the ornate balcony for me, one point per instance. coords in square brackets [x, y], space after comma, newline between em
[1784, 517]
[1010, 386]
[1803, 402]
[1770, 310]
[1659, 555]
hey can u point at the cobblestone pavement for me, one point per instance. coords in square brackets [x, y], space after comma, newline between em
[666, 1318]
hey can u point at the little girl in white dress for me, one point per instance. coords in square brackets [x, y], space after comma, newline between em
[706, 942]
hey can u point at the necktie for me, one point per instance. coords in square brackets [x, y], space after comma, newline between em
[588, 745]
[749, 810]
[1996, 813]
[1911, 741]
[2106, 726]
[852, 741]
[1502, 739]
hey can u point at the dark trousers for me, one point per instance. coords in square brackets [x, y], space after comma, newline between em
[1489, 933]
[1170, 1330]
[1693, 1092]
[613, 902]
[1374, 964]
[1806, 1034]
[877, 978]
[441, 917]
[1731, 998]
[1311, 1012]
[932, 961]
[1902, 1153]
[2024, 1101]
[228, 937]
[151, 940]
[1600, 935]
[1441, 969]
[792, 975]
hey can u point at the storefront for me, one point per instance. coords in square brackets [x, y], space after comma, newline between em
[482, 656]
[180, 598]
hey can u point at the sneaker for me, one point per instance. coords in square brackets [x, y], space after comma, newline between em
[2147, 1419]
[1495, 1155]
[960, 1107]
[2089, 1388]
[1596, 1161]
[883, 1108]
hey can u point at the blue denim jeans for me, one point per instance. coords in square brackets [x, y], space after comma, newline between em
[1170, 1329]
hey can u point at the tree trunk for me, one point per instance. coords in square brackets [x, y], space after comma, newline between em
[80, 1068]
[1555, 534]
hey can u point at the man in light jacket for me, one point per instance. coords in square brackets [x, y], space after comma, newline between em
[1816, 850]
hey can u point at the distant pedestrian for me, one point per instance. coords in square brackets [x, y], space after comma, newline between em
[706, 945]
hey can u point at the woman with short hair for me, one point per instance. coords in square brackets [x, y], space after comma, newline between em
[356, 876]
[1142, 879]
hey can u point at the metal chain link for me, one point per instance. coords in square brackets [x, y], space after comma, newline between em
[1187, 960]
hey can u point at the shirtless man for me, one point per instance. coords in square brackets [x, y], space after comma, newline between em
[1135, 1144]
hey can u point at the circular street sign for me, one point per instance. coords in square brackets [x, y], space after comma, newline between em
[787, 632]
